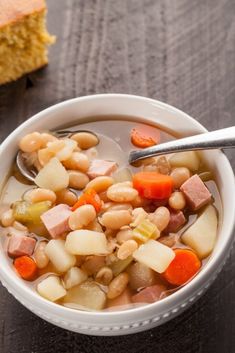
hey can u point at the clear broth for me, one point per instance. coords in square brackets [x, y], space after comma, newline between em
[115, 145]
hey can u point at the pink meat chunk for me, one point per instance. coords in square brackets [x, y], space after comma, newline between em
[56, 220]
[149, 294]
[20, 245]
[177, 219]
[99, 167]
[195, 192]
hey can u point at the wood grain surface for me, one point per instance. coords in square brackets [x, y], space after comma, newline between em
[178, 51]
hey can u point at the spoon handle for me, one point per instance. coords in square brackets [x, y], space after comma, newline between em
[224, 138]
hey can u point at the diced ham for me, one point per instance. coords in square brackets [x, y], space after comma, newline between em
[99, 167]
[56, 220]
[177, 219]
[121, 300]
[149, 294]
[195, 192]
[20, 245]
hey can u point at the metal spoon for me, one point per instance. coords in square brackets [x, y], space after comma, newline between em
[224, 138]
[31, 174]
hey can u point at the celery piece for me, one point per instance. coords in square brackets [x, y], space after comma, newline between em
[144, 231]
[25, 212]
[120, 265]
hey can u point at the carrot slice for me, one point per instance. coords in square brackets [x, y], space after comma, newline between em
[145, 136]
[90, 197]
[153, 185]
[26, 267]
[184, 266]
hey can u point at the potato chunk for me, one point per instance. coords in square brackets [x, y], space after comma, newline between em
[189, 159]
[53, 176]
[73, 277]
[154, 255]
[201, 236]
[58, 255]
[141, 276]
[88, 295]
[51, 288]
[86, 242]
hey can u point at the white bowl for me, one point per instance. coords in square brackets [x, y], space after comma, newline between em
[146, 317]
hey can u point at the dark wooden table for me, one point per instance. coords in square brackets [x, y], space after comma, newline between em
[178, 51]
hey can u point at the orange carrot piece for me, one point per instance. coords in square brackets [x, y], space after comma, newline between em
[90, 197]
[153, 185]
[26, 267]
[184, 266]
[145, 136]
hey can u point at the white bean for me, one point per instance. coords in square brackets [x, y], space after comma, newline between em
[121, 192]
[127, 249]
[179, 176]
[77, 180]
[40, 256]
[66, 197]
[177, 200]
[7, 218]
[85, 140]
[77, 161]
[100, 184]
[31, 142]
[160, 217]
[118, 285]
[39, 194]
[116, 219]
[82, 216]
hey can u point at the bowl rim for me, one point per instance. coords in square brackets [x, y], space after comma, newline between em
[169, 302]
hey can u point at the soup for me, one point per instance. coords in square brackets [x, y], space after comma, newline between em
[93, 232]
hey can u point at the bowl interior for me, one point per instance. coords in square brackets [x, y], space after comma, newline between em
[138, 109]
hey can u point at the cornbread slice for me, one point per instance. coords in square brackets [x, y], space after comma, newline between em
[23, 38]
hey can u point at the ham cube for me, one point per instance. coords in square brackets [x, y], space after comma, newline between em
[56, 220]
[177, 219]
[195, 192]
[20, 245]
[100, 167]
[149, 294]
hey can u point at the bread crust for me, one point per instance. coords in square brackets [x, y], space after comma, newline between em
[14, 10]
